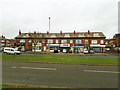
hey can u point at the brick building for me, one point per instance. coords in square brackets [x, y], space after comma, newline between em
[76, 41]
[6, 42]
[114, 43]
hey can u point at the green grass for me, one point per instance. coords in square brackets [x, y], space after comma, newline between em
[34, 88]
[15, 86]
[62, 59]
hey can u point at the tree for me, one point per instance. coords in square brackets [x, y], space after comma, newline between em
[35, 43]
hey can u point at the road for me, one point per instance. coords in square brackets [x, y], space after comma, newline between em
[60, 75]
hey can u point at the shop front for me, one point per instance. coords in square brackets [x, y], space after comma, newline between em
[98, 48]
[53, 47]
[64, 48]
[37, 47]
[78, 48]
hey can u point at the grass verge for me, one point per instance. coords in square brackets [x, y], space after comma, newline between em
[63, 59]
[30, 87]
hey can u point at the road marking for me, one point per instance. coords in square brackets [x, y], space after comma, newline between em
[13, 67]
[101, 71]
[35, 68]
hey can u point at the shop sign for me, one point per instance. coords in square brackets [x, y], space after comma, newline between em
[53, 45]
[64, 45]
[97, 45]
[79, 45]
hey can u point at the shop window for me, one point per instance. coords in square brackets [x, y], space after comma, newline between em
[3, 40]
[94, 41]
[78, 41]
[57, 41]
[102, 41]
[64, 41]
[71, 41]
[50, 41]
[86, 41]
[22, 41]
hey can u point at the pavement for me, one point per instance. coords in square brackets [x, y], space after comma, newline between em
[60, 75]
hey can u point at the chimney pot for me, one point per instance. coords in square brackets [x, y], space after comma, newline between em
[74, 32]
[88, 31]
[47, 32]
[34, 32]
[60, 32]
[19, 32]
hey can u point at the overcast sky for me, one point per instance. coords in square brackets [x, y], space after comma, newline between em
[66, 15]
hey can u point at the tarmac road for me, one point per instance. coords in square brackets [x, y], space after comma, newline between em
[60, 75]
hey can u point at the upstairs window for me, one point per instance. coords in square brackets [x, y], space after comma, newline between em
[3, 40]
[71, 41]
[94, 41]
[86, 41]
[43, 41]
[78, 42]
[102, 41]
[22, 41]
[57, 41]
[64, 41]
[50, 41]
[30, 41]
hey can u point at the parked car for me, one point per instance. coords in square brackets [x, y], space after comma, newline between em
[8, 50]
[86, 51]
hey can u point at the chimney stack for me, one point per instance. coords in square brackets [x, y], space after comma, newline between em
[47, 32]
[34, 32]
[88, 31]
[19, 32]
[60, 32]
[74, 32]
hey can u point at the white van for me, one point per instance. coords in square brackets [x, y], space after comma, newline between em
[9, 50]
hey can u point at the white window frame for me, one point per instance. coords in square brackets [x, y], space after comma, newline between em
[78, 41]
[94, 41]
[71, 41]
[22, 40]
[43, 41]
[30, 41]
[57, 41]
[50, 41]
[86, 41]
[3, 40]
[101, 41]
[64, 41]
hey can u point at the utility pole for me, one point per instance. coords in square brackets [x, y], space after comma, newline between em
[49, 36]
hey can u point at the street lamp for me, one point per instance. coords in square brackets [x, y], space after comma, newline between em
[89, 41]
[49, 36]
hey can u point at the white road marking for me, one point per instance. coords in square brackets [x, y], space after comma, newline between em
[101, 71]
[13, 67]
[35, 68]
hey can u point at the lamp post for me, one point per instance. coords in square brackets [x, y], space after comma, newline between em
[89, 41]
[49, 36]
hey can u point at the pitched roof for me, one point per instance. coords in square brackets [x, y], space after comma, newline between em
[64, 35]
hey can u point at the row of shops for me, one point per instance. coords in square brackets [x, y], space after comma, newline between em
[78, 48]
